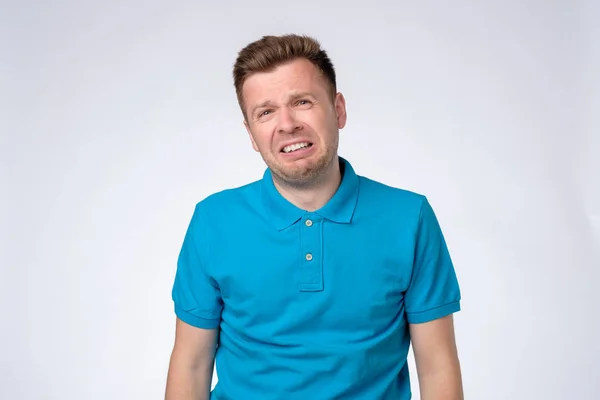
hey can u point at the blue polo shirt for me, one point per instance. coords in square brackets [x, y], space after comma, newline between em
[314, 305]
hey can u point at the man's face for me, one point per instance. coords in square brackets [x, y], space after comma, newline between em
[293, 121]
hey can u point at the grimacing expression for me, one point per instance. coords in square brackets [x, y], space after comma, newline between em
[292, 120]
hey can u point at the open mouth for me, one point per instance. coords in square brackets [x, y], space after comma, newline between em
[295, 147]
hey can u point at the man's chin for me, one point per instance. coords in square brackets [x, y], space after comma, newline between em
[301, 172]
[299, 177]
[296, 175]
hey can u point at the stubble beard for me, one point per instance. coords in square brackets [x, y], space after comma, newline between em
[305, 176]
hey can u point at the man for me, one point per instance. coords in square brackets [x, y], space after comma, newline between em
[312, 282]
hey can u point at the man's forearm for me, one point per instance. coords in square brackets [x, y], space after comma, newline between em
[185, 383]
[442, 385]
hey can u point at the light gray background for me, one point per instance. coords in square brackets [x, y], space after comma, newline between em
[117, 117]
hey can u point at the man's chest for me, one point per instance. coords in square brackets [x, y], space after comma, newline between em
[312, 276]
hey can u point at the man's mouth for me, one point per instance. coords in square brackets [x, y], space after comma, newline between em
[296, 146]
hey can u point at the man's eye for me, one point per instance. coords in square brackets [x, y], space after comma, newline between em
[264, 113]
[303, 102]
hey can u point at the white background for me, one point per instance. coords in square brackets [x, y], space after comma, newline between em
[118, 116]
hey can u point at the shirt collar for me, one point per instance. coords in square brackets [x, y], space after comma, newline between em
[340, 208]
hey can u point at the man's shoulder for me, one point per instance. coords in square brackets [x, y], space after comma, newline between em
[382, 194]
[228, 198]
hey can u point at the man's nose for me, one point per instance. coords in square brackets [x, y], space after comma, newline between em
[287, 121]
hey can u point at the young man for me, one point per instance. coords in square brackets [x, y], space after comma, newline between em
[312, 282]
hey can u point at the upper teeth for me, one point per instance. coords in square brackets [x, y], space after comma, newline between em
[295, 146]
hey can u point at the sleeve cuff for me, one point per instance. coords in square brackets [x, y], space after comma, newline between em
[430, 315]
[198, 322]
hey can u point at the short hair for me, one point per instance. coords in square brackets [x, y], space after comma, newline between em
[269, 52]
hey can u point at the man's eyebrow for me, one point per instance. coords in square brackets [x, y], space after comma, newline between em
[269, 103]
[297, 95]
[266, 103]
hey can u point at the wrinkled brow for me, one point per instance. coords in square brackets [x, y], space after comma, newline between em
[292, 97]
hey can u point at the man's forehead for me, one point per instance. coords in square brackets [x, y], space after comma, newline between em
[299, 72]
[287, 81]
[284, 91]
[292, 93]
[281, 84]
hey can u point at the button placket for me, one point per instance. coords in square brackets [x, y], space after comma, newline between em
[311, 270]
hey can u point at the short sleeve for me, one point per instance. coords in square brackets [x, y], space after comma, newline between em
[195, 293]
[433, 291]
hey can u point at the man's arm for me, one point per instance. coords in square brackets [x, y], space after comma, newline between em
[436, 358]
[192, 362]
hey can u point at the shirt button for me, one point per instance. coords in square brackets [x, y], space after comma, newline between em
[308, 222]
[308, 257]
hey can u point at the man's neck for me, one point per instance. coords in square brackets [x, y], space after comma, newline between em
[314, 197]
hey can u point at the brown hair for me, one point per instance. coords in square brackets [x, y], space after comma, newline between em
[269, 52]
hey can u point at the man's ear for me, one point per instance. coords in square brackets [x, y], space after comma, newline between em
[254, 146]
[340, 110]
